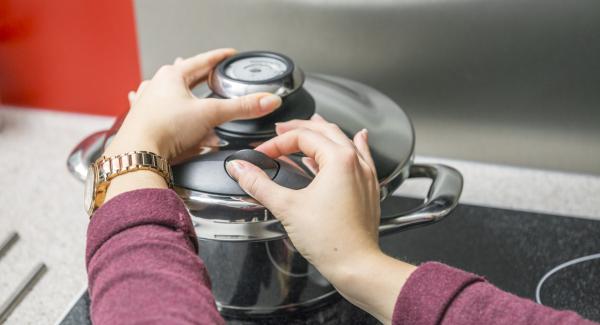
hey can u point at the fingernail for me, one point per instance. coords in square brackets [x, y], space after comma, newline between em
[364, 133]
[234, 168]
[269, 102]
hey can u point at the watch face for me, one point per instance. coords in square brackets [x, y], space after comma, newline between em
[90, 189]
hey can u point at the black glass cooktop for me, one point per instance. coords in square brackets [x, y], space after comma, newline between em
[512, 249]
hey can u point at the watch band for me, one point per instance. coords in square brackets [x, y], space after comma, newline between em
[113, 166]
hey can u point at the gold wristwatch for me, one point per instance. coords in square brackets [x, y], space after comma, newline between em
[103, 170]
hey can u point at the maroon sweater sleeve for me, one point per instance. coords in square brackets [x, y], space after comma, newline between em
[438, 294]
[142, 263]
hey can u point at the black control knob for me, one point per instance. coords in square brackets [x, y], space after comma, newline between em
[207, 173]
[262, 161]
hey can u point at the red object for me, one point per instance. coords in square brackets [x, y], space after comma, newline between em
[69, 55]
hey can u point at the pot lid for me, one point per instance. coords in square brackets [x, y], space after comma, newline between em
[349, 104]
[352, 106]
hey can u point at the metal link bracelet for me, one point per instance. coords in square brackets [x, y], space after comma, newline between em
[113, 166]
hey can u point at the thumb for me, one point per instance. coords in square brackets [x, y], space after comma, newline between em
[257, 184]
[219, 111]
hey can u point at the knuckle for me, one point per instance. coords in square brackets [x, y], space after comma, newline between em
[142, 85]
[246, 105]
[335, 129]
[302, 131]
[167, 69]
[251, 184]
[332, 126]
[304, 134]
[164, 69]
[348, 158]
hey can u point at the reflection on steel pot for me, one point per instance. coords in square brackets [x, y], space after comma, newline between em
[254, 268]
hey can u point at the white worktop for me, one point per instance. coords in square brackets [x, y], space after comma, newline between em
[43, 203]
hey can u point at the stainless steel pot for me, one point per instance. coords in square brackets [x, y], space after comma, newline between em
[254, 268]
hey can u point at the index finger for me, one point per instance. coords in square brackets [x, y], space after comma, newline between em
[198, 67]
[309, 142]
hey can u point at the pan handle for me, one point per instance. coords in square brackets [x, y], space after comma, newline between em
[86, 152]
[442, 198]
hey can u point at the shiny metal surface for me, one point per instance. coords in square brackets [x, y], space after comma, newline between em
[86, 152]
[212, 214]
[262, 278]
[354, 106]
[282, 279]
[351, 105]
[441, 199]
[282, 84]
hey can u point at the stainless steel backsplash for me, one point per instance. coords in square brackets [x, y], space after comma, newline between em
[508, 81]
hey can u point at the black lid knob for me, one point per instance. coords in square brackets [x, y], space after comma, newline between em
[207, 173]
[257, 158]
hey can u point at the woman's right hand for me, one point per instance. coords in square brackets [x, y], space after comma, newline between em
[334, 221]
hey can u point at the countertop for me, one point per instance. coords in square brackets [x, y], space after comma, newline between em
[43, 202]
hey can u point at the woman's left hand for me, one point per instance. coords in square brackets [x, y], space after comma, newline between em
[167, 119]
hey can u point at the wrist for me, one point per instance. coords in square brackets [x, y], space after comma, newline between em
[341, 272]
[120, 145]
[373, 282]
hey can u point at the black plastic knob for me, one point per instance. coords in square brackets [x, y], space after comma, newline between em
[257, 158]
[207, 173]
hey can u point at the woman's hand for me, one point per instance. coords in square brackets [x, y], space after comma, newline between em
[334, 221]
[343, 198]
[167, 119]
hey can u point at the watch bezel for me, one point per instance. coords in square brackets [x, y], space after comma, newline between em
[92, 192]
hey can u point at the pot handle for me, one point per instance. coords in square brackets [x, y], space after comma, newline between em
[86, 152]
[442, 198]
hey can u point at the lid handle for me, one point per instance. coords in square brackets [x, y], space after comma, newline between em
[267, 164]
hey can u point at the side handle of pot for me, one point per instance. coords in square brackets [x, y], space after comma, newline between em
[442, 198]
[86, 152]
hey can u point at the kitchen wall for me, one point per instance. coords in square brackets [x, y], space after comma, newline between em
[506, 81]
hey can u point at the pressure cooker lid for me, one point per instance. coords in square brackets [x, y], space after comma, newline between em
[354, 106]
[349, 104]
